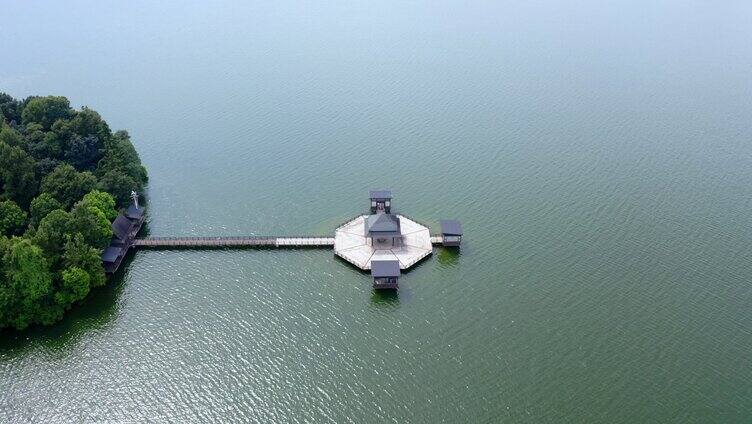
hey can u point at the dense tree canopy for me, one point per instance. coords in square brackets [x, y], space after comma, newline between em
[27, 284]
[12, 218]
[66, 185]
[46, 110]
[17, 175]
[11, 137]
[53, 233]
[92, 223]
[63, 177]
[103, 201]
[77, 253]
[10, 108]
[41, 206]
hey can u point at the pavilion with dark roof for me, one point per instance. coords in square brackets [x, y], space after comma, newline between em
[112, 256]
[383, 228]
[381, 201]
[122, 227]
[385, 273]
[451, 232]
[124, 230]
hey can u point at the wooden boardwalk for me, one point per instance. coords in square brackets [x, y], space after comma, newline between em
[242, 241]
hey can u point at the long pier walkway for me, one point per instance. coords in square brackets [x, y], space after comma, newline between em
[380, 237]
[242, 241]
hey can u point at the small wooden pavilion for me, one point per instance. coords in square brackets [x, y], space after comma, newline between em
[383, 229]
[451, 232]
[124, 230]
[381, 201]
[385, 273]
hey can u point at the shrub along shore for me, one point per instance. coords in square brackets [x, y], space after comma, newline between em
[63, 177]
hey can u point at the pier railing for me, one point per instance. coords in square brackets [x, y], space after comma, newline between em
[412, 219]
[415, 260]
[350, 220]
[437, 239]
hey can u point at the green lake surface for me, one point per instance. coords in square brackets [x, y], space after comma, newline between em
[598, 154]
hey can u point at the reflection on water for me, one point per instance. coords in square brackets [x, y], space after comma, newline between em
[385, 298]
[448, 256]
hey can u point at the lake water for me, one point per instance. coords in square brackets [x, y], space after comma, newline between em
[599, 155]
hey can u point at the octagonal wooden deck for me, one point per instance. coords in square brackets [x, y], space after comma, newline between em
[351, 245]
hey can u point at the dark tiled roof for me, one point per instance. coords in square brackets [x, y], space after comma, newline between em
[133, 212]
[114, 241]
[111, 254]
[383, 223]
[121, 226]
[388, 268]
[380, 194]
[451, 227]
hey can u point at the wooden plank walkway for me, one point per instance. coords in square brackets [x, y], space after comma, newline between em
[242, 241]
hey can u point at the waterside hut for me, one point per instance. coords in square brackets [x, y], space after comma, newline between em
[385, 274]
[124, 230]
[381, 201]
[451, 232]
[383, 230]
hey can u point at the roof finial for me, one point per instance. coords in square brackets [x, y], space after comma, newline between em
[134, 196]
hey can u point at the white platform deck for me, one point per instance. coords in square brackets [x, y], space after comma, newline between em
[350, 244]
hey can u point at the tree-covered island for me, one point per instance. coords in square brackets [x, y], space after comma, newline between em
[63, 177]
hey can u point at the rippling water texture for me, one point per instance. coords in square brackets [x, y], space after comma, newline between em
[598, 153]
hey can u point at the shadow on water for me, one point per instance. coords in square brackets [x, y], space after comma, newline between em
[95, 313]
[388, 299]
[144, 231]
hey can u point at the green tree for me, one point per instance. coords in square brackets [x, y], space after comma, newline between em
[103, 201]
[88, 122]
[67, 185]
[91, 223]
[51, 144]
[28, 283]
[10, 108]
[79, 254]
[45, 167]
[63, 129]
[12, 218]
[40, 144]
[83, 152]
[11, 137]
[119, 185]
[46, 110]
[53, 232]
[17, 177]
[121, 156]
[74, 286]
[41, 206]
